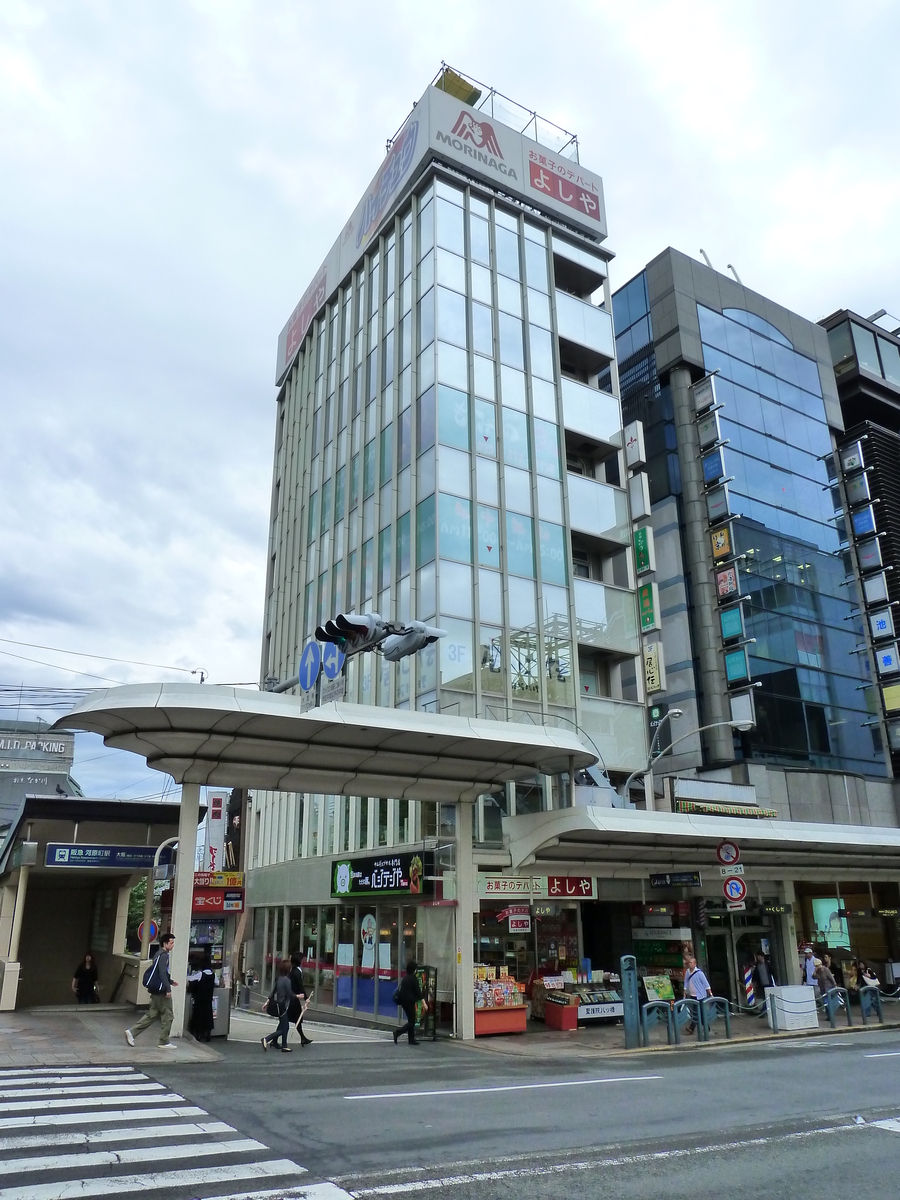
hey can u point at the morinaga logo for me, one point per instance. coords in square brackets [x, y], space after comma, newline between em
[477, 140]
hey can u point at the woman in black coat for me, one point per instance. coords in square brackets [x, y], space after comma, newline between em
[201, 986]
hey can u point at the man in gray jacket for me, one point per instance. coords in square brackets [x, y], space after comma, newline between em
[159, 985]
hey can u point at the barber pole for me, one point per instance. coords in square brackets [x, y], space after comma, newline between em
[748, 985]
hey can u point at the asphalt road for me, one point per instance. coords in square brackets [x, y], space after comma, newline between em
[780, 1118]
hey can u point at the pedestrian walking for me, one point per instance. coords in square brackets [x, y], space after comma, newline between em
[85, 983]
[696, 985]
[763, 978]
[808, 969]
[159, 984]
[279, 1005]
[201, 985]
[300, 999]
[408, 995]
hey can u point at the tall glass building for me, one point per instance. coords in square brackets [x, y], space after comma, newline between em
[445, 452]
[771, 449]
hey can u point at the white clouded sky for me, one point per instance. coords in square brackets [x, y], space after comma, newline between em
[173, 173]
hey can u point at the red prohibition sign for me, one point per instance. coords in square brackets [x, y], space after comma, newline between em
[728, 854]
[734, 888]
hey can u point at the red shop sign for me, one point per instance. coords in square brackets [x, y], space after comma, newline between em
[571, 887]
[217, 901]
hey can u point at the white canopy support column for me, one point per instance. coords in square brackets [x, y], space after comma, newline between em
[189, 818]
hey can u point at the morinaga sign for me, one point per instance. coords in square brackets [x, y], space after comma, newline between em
[439, 127]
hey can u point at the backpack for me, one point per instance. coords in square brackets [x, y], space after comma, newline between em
[153, 985]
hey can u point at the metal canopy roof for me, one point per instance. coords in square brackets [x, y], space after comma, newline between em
[228, 737]
[664, 841]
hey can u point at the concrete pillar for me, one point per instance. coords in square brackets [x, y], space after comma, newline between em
[787, 932]
[188, 820]
[148, 917]
[698, 565]
[466, 906]
[19, 912]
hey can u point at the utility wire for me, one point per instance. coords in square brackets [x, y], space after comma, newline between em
[57, 667]
[106, 657]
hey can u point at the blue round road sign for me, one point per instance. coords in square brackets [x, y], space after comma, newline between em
[332, 660]
[310, 661]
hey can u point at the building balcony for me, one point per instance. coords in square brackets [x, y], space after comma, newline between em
[592, 415]
[598, 510]
[606, 618]
[587, 332]
[619, 730]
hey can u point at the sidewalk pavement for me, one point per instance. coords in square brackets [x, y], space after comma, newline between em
[82, 1035]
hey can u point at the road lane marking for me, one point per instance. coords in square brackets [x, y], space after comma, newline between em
[509, 1087]
[885, 1054]
[95, 1137]
[123, 1185]
[26, 1085]
[424, 1185]
[90, 1090]
[309, 1191]
[139, 1154]
[892, 1124]
[40, 1120]
[12, 1072]
[87, 1101]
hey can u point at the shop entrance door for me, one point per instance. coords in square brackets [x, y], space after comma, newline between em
[718, 954]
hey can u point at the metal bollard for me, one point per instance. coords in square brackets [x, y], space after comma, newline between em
[657, 1010]
[873, 993]
[831, 998]
[690, 1008]
[710, 1008]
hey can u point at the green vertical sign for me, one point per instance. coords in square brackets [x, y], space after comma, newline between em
[642, 550]
[647, 604]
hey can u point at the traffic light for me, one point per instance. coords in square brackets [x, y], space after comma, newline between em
[351, 633]
[414, 636]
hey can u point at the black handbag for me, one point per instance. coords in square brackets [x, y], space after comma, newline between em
[273, 1008]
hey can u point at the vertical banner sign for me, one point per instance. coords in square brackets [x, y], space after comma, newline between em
[644, 555]
[654, 668]
[216, 808]
[648, 601]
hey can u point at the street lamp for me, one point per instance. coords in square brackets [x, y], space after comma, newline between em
[648, 770]
[673, 712]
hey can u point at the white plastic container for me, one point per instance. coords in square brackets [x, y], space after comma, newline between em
[795, 1007]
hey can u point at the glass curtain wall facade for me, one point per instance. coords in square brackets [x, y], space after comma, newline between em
[812, 706]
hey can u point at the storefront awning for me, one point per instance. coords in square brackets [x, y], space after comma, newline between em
[230, 737]
[631, 843]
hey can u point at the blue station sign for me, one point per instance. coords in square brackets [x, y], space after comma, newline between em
[73, 854]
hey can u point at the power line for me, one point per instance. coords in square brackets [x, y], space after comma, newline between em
[57, 667]
[106, 657]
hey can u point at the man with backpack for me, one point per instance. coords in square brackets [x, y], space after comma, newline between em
[159, 984]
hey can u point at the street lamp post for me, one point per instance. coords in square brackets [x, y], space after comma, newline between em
[648, 770]
[673, 712]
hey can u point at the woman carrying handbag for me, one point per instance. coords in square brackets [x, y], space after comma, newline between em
[279, 1005]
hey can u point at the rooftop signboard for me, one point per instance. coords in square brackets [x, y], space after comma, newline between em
[441, 127]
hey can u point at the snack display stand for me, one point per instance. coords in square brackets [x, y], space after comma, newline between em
[566, 1002]
[499, 1003]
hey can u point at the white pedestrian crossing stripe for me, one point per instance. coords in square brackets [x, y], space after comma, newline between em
[132, 1124]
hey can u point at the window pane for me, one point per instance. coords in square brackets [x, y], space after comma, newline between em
[368, 569]
[426, 229]
[515, 439]
[369, 469]
[511, 350]
[541, 352]
[426, 273]
[484, 377]
[450, 230]
[481, 284]
[404, 449]
[536, 265]
[507, 252]
[384, 559]
[425, 531]
[387, 445]
[456, 655]
[481, 245]
[890, 360]
[553, 553]
[487, 486]
[509, 296]
[451, 271]
[490, 597]
[490, 649]
[518, 490]
[455, 528]
[451, 325]
[454, 472]
[339, 486]
[549, 500]
[425, 418]
[488, 537]
[456, 588]
[521, 605]
[482, 329]
[426, 320]
[546, 449]
[485, 428]
[543, 399]
[453, 417]
[403, 545]
[538, 309]
[519, 545]
[512, 388]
